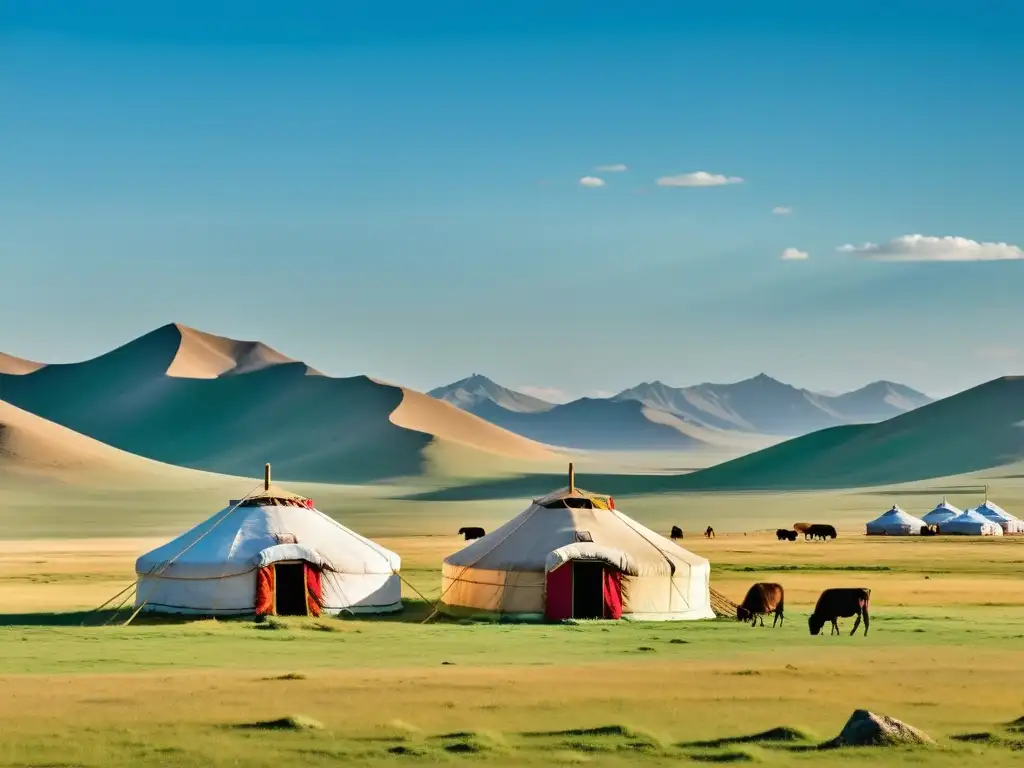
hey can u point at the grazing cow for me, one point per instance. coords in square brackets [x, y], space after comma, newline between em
[677, 532]
[801, 527]
[818, 531]
[472, 533]
[783, 535]
[761, 600]
[709, 533]
[930, 530]
[840, 603]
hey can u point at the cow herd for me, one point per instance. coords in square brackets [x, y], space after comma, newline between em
[763, 599]
[809, 530]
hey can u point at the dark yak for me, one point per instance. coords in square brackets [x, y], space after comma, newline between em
[818, 531]
[709, 533]
[841, 603]
[472, 533]
[783, 535]
[677, 532]
[762, 599]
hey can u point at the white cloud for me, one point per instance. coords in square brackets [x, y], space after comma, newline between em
[794, 254]
[926, 248]
[591, 181]
[781, 210]
[698, 179]
[613, 168]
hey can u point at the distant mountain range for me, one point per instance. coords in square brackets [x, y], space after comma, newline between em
[656, 416]
[979, 429]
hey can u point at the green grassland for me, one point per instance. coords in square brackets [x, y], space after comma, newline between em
[943, 651]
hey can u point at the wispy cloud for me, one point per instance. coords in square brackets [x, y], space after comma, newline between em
[698, 179]
[926, 248]
[591, 181]
[794, 254]
[613, 168]
[781, 210]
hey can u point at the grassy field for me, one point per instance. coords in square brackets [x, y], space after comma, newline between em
[943, 654]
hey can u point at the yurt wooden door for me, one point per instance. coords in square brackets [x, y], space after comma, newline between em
[583, 589]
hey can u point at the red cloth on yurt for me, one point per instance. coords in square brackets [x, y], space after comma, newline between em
[558, 603]
[314, 591]
[265, 590]
[612, 587]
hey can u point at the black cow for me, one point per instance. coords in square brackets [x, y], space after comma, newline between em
[783, 535]
[709, 533]
[472, 533]
[762, 599]
[841, 603]
[819, 531]
[930, 530]
[677, 532]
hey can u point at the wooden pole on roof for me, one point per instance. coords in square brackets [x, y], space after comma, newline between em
[266, 476]
[572, 478]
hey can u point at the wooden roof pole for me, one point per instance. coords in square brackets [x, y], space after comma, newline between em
[266, 476]
[572, 478]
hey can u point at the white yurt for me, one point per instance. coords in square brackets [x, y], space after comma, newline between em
[943, 512]
[272, 552]
[992, 511]
[970, 523]
[571, 554]
[895, 522]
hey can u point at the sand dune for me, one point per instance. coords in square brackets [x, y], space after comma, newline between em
[426, 414]
[31, 445]
[205, 356]
[16, 366]
[195, 400]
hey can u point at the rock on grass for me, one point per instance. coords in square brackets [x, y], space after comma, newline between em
[866, 729]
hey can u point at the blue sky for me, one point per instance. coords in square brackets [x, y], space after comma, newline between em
[393, 188]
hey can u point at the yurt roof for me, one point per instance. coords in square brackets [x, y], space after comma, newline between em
[993, 511]
[244, 536]
[971, 516]
[896, 516]
[945, 506]
[547, 534]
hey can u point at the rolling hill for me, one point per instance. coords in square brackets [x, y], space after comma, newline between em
[191, 399]
[979, 429]
[655, 416]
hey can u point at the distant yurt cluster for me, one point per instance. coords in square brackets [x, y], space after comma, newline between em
[570, 555]
[987, 519]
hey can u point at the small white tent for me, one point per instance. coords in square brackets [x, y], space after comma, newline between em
[571, 554]
[271, 553]
[943, 513]
[895, 522]
[970, 523]
[992, 511]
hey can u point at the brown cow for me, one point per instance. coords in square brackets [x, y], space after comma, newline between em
[841, 603]
[762, 599]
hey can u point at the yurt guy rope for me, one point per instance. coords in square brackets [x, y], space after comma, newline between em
[157, 571]
[477, 560]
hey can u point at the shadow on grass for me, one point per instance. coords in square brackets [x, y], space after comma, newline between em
[413, 612]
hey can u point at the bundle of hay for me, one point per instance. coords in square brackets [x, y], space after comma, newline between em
[866, 729]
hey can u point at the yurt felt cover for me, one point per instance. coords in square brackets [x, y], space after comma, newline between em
[506, 572]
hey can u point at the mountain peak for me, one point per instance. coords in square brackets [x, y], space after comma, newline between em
[476, 391]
